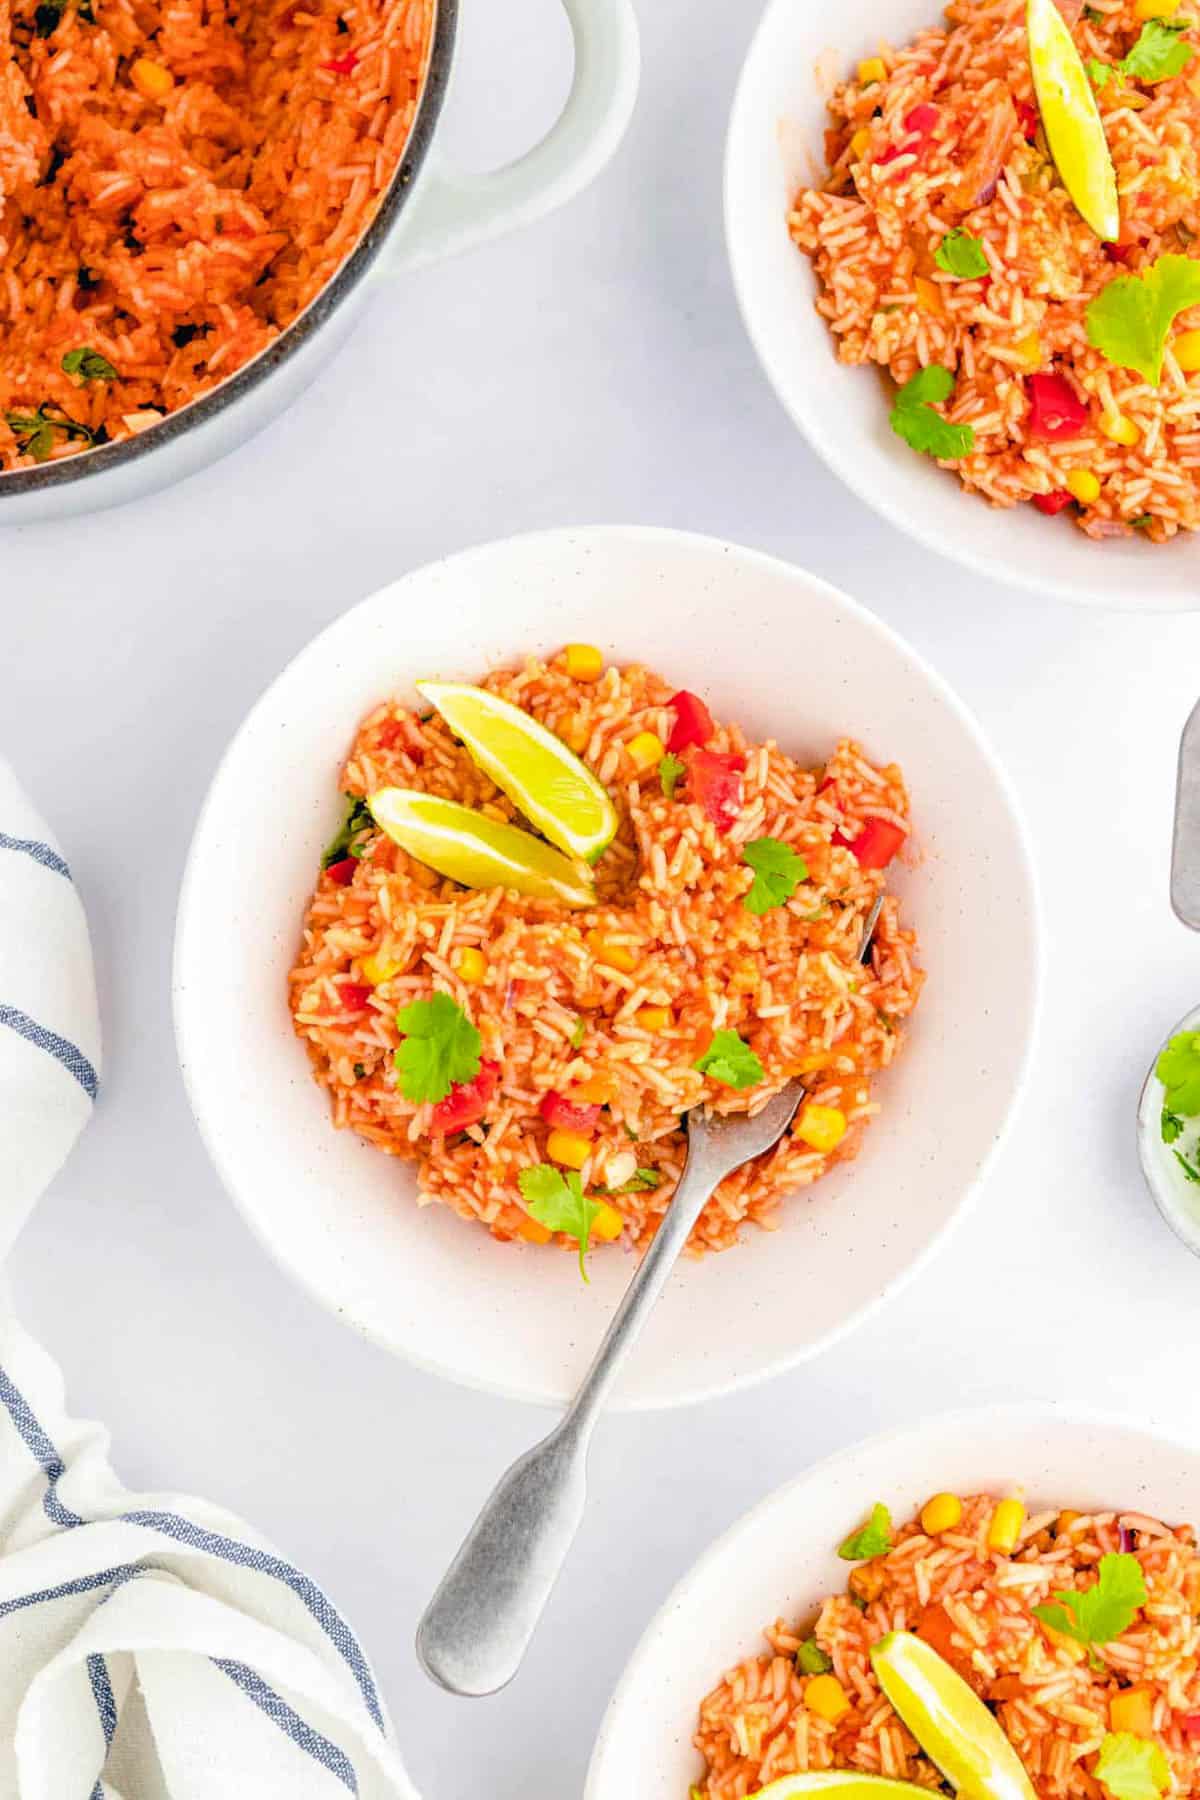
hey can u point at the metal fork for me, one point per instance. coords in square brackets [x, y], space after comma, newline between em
[478, 1626]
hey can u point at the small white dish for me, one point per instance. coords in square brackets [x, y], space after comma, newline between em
[1176, 1197]
[780, 1560]
[791, 658]
[775, 145]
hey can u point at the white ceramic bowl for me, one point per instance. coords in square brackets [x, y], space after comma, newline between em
[1177, 1199]
[780, 1560]
[791, 658]
[775, 145]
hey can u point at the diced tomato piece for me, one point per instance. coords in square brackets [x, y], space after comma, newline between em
[918, 122]
[567, 1115]
[342, 872]
[875, 845]
[1028, 120]
[921, 119]
[467, 1101]
[343, 65]
[354, 996]
[715, 783]
[1053, 503]
[1191, 1724]
[1055, 409]
[1119, 253]
[693, 722]
[935, 1627]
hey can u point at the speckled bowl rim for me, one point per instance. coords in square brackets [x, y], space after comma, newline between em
[90, 464]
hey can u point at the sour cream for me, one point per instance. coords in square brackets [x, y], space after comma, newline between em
[1175, 1194]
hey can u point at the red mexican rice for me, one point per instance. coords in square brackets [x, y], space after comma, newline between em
[612, 1005]
[1056, 1700]
[943, 137]
[178, 179]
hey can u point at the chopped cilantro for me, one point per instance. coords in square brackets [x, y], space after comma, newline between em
[35, 431]
[1098, 73]
[639, 1182]
[1172, 1125]
[577, 1036]
[913, 418]
[961, 254]
[874, 1538]
[730, 1061]
[1103, 1612]
[630, 1133]
[1189, 1168]
[439, 1047]
[1158, 52]
[1132, 1768]
[1142, 520]
[359, 1071]
[670, 769]
[88, 363]
[778, 871]
[557, 1201]
[811, 1659]
[1093, 15]
[358, 818]
[1130, 317]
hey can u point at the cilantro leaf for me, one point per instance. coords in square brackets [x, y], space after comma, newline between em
[439, 1048]
[639, 1182]
[811, 1659]
[35, 431]
[778, 871]
[358, 818]
[1130, 317]
[1093, 15]
[1172, 1125]
[577, 1036]
[670, 771]
[730, 1060]
[912, 416]
[88, 363]
[1189, 1169]
[1178, 1068]
[874, 1538]
[1098, 73]
[1159, 51]
[558, 1202]
[961, 254]
[1132, 1768]
[1104, 1611]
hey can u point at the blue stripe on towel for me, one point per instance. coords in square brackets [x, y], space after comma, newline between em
[290, 1722]
[71, 1058]
[106, 1700]
[41, 1449]
[82, 1584]
[41, 853]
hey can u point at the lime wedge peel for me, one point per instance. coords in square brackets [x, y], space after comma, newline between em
[477, 851]
[950, 1722]
[540, 775]
[839, 1784]
[1071, 119]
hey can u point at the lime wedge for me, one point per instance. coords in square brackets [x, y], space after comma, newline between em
[839, 1784]
[1071, 120]
[952, 1725]
[478, 851]
[534, 768]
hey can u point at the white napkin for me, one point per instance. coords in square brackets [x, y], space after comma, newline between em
[151, 1647]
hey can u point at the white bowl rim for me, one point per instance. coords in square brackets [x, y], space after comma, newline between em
[716, 1388]
[909, 523]
[974, 1421]
[1148, 1109]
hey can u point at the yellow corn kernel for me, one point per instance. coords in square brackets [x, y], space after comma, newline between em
[826, 1697]
[860, 143]
[821, 1127]
[654, 1018]
[873, 68]
[1084, 485]
[1005, 1527]
[1029, 350]
[1132, 1710]
[570, 1148]
[533, 1233]
[1155, 9]
[614, 956]
[584, 662]
[575, 733]
[646, 751]
[469, 964]
[601, 1090]
[1065, 1520]
[929, 299]
[1186, 351]
[378, 969]
[608, 1222]
[942, 1513]
[151, 80]
[1119, 428]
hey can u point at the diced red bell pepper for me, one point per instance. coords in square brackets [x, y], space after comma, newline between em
[567, 1115]
[343, 65]
[693, 722]
[1053, 503]
[1191, 1724]
[918, 123]
[875, 845]
[467, 1101]
[342, 872]
[921, 118]
[715, 783]
[1119, 253]
[1055, 409]
[354, 996]
[1028, 120]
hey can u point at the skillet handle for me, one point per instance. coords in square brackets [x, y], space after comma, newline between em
[451, 211]
[1185, 848]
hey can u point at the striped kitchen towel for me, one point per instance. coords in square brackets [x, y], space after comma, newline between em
[152, 1647]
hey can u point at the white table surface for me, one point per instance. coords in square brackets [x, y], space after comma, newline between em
[592, 369]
